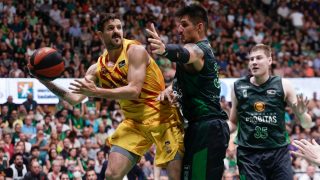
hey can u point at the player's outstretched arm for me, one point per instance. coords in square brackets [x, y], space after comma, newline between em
[187, 54]
[138, 59]
[64, 93]
[233, 113]
[298, 104]
[307, 150]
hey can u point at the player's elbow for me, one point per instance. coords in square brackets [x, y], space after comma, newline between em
[135, 93]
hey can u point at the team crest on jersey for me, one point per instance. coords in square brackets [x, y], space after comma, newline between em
[259, 106]
[122, 63]
[271, 92]
[167, 147]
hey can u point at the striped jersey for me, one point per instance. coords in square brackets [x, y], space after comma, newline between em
[146, 107]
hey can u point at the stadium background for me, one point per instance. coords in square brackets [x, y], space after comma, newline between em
[290, 27]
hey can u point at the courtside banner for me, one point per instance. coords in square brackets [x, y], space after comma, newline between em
[18, 88]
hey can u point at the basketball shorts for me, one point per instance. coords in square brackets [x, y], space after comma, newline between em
[206, 143]
[264, 164]
[137, 138]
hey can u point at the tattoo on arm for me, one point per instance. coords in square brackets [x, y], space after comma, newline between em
[198, 52]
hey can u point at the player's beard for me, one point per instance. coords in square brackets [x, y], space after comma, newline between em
[114, 45]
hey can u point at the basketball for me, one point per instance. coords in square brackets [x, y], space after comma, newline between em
[46, 63]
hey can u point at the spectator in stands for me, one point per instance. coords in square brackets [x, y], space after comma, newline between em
[64, 176]
[84, 157]
[101, 136]
[101, 158]
[311, 174]
[11, 105]
[17, 170]
[35, 172]
[28, 129]
[93, 122]
[56, 171]
[5, 113]
[8, 147]
[27, 144]
[30, 103]
[41, 142]
[91, 175]
[15, 71]
[4, 163]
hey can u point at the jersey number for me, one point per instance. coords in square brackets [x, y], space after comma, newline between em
[261, 132]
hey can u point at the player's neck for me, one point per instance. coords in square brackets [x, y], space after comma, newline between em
[258, 80]
[114, 54]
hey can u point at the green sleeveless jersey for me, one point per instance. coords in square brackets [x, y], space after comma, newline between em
[199, 93]
[261, 114]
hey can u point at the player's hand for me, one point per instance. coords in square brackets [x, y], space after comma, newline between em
[157, 46]
[307, 150]
[167, 94]
[300, 107]
[84, 86]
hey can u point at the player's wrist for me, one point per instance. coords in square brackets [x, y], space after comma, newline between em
[165, 52]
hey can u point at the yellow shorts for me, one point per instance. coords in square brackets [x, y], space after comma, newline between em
[138, 138]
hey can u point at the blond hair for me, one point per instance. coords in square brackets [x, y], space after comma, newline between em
[265, 48]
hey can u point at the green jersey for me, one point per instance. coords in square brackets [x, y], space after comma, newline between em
[199, 93]
[261, 113]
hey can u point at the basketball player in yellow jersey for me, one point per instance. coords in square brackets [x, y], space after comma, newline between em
[125, 71]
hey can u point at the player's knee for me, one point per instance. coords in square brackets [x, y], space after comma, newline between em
[113, 175]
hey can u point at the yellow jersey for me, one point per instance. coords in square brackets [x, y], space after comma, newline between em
[146, 109]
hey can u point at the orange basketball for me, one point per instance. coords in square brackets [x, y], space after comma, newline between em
[46, 63]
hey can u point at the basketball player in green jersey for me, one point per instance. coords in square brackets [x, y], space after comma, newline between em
[197, 87]
[258, 110]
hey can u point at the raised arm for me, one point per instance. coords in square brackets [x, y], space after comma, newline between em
[187, 54]
[233, 113]
[297, 103]
[138, 59]
[67, 95]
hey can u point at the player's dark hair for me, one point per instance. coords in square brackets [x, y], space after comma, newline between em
[196, 14]
[105, 17]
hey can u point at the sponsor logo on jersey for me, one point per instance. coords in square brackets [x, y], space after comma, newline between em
[244, 87]
[259, 106]
[122, 63]
[262, 119]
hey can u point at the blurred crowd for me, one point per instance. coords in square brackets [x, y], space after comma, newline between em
[73, 139]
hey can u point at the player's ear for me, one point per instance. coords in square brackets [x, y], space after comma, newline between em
[270, 60]
[200, 27]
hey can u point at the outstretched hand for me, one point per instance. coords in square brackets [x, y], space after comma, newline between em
[157, 46]
[300, 107]
[307, 150]
[84, 86]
